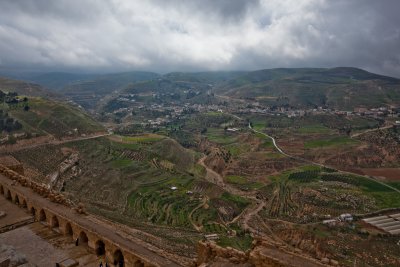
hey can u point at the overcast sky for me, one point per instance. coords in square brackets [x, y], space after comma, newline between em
[185, 35]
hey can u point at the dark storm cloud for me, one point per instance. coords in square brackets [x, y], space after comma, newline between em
[183, 35]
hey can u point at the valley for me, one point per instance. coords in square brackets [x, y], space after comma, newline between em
[272, 156]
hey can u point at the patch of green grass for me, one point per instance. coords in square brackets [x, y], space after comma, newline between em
[308, 129]
[335, 141]
[236, 149]
[121, 163]
[198, 170]
[241, 202]
[236, 179]
[147, 138]
[370, 185]
[387, 199]
[132, 146]
[242, 243]
[395, 184]
[219, 136]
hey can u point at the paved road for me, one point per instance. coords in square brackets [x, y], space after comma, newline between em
[316, 163]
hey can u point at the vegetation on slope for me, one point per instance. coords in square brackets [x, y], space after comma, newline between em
[342, 88]
[55, 118]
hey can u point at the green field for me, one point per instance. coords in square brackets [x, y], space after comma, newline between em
[309, 129]
[220, 136]
[334, 141]
[147, 138]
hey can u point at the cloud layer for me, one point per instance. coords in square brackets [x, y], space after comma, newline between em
[184, 35]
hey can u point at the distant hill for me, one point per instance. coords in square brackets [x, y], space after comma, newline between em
[25, 88]
[343, 88]
[59, 80]
[88, 93]
[211, 77]
[178, 87]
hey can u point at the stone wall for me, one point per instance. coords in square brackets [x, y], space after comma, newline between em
[262, 254]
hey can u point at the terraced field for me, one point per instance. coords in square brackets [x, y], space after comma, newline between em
[56, 118]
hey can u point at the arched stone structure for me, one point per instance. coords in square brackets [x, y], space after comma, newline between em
[42, 216]
[118, 258]
[54, 223]
[69, 223]
[16, 199]
[33, 212]
[100, 248]
[24, 204]
[83, 239]
[8, 195]
[68, 229]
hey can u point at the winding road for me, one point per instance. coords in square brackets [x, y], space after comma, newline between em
[323, 165]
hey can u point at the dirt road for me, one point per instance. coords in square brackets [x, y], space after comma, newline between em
[371, 130]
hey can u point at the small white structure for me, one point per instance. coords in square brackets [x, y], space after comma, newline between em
[346, 217]
[173, 188]
[232, 129]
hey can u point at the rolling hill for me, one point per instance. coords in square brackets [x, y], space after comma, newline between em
[25, 88]
[45, 115]
[88, 93]
[56, 118]
[342, 88]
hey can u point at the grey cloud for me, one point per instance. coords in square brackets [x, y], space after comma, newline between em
[180, 35]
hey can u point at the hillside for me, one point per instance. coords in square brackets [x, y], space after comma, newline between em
[88, 93]
[24, 88]
[174, 87]
[59, 80]
[36, 112]
[55, 118]
[342, 88]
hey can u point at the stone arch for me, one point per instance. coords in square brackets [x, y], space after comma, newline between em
[83, 238]
[54, 222]
[118, 258]
[1, 189]
[24, 204]
[68, 229]
[8, 195]
[16, 199]
[100, 248]
[33, 211]
[42, 215]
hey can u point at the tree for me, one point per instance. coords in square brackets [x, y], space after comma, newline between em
[26, 108]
